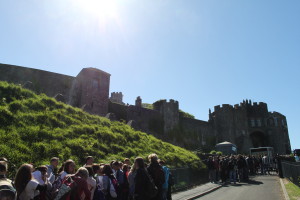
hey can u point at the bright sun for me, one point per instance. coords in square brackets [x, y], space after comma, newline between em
[99, 8]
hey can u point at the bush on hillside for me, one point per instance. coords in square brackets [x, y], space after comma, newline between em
[34, 128]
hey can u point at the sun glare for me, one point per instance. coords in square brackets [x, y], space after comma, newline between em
[99, 8]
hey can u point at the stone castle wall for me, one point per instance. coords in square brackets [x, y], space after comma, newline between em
[37, 80]
[89, 90]
[246, 124]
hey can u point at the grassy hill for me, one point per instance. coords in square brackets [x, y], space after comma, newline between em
[34, 128]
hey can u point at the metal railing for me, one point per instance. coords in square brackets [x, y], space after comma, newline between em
[291, 170]
[186, 177]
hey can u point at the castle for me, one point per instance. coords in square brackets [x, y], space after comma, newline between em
[246, 124]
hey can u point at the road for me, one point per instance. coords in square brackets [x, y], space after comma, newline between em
[259, 188]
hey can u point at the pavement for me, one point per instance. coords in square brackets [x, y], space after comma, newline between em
[196, 192]
[259, 187]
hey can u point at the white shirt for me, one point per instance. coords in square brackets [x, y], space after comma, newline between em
[91, 185]
[63, 175]
[30, 190]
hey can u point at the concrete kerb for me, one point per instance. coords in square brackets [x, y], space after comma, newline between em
[204, 193]
[285, 194]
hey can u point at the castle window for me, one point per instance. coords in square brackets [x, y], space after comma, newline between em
[282, 122]
[95, 84]
[252, 122]
[259, 123]
[270, 122]
[276, 121]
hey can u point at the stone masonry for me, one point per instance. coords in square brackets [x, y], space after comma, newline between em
[246, 124]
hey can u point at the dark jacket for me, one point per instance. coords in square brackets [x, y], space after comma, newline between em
[140, 181]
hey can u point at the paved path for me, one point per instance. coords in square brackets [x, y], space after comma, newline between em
[202, 189]
[260, 188]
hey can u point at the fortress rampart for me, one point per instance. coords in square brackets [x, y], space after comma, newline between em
[246, 124]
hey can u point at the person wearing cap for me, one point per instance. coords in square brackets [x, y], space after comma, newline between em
[51, 169]
[7, 191]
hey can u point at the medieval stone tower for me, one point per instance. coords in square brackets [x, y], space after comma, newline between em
[250, 125]
[169, 111]
[90, 91]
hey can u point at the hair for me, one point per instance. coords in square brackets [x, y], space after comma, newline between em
[115, 163]
[54, 159]
[95, 168]
[83, 172]
[23, 176]
[162, 162]
[61, 168]
[90, 170]
[153, 158]
[42, 168]
[126, 159]
[3, 166]
[3, 159]
[125, 168]
[87, 158]
[139, 162]
[107, 170]
[67, 164]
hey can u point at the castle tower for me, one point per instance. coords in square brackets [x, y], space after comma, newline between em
[138, 102]
[170, 112]
[251, 125]
[90, 91]
[117, 97]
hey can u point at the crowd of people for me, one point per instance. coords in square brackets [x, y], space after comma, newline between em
[230, 169]
[114, 181]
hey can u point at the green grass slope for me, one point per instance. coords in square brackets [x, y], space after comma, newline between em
[34, 128]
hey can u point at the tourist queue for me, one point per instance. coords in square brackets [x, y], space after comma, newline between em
[113, 181]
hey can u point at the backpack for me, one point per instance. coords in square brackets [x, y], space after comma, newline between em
[159, 176]
[64, 191]
[98, 194]
[151, 188]
[55, 187]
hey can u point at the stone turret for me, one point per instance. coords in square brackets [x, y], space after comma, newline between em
[91, 90]
[117, 97]
[170, 112]
[138, 102]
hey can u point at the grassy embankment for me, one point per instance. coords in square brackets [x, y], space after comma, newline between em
[292, 190]
[34, 128]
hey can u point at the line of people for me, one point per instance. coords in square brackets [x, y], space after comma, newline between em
[238, 168]
[113, 181]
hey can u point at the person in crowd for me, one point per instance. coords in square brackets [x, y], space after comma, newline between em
[91, 180]
[157, 174]
[40, 175]
[52, 168]
[223, 169]
[241, 167]
[118, 173]
[217, 167]
[131, 178]
[109, 183]
[232, 167]
[97, 170]
[125, 189]
[211, 170]
[7, 191]
[127, 162]
[80, 190]
[27, 188]
[165, 186]
[141, 180]
[89, 161]
[69, 168]
[266, 164]
[297, 159]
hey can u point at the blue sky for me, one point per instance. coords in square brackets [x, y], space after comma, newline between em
[200, 52]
